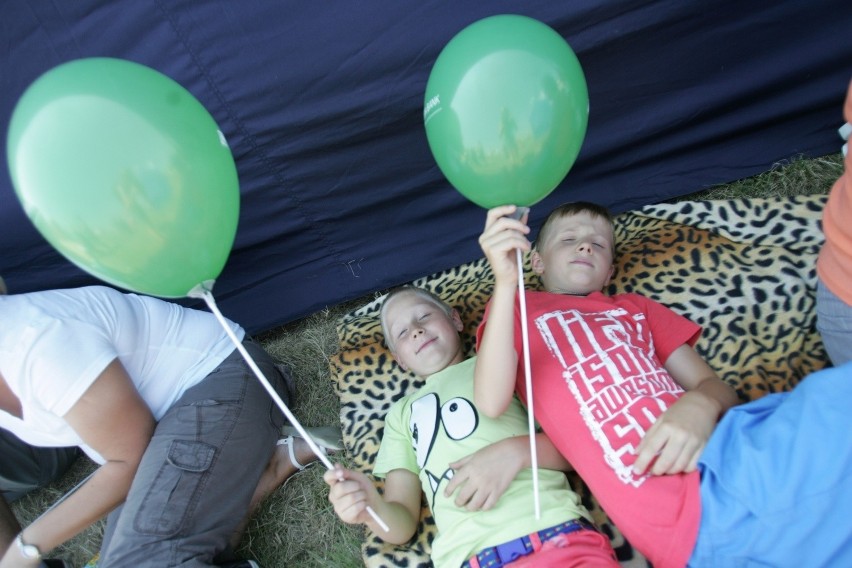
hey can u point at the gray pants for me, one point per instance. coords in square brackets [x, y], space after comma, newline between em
[24, 467]
[197, 476]
[834, 324]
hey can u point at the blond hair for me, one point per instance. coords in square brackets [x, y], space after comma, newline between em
[422, 292]
[573, 208]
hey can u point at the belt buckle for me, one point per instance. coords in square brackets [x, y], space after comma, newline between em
[510, 551]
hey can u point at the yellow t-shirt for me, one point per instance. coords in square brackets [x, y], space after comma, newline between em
[437, 425]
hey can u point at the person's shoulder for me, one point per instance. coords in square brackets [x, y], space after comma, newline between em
[93, 292]
[399, 405]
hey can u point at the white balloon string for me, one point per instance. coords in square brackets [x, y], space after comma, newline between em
[528, 382]
[211, 303]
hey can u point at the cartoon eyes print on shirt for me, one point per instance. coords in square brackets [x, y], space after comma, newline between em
[423, 425]
[457, 415]
[459, 418]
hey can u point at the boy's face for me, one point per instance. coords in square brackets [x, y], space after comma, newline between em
[421, 336]
[576, 255]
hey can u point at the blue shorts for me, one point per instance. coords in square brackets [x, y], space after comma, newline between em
[776, 479]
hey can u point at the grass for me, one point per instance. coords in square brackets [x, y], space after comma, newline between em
[296, 526]
[798, 177]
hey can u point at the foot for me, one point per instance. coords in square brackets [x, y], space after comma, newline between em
[325, 438]
[292, 454]
[278, 470]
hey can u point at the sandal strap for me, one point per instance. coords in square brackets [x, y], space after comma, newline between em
[290, 442]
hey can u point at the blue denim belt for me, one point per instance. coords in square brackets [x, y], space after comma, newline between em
[497, 556]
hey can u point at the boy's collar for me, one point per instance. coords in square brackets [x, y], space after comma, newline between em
[575, 294]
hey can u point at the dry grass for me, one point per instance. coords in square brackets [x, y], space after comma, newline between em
[296, 527]
[784, 179]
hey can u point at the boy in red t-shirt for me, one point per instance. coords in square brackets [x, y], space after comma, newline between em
[620, 391]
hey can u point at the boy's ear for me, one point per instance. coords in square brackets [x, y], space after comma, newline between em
[537, 263]
[611, 274]
[457, 321]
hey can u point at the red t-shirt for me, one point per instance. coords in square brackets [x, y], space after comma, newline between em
[598, 384]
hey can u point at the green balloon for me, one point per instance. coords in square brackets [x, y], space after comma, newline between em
[126, 174]
[505, 110]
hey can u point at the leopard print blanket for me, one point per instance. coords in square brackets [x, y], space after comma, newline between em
[742, 269]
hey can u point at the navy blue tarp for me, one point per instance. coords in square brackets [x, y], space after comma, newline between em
[321, 103]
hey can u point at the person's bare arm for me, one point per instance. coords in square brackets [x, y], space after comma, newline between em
[675, 441]
[112, 418]
[497, 360]
[351, 492]
[480, 479]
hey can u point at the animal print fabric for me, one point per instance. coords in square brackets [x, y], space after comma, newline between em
[742, 269]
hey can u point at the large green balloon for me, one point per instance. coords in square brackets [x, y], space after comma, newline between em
[506, 110]
[126, 174]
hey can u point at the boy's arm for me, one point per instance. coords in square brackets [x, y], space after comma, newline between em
[481, 478]
[351, 492]
[675, 441]
[497, 360]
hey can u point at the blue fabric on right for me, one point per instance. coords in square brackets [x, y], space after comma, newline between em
[776, 487]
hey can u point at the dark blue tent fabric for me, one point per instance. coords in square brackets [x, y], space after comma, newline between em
[322, 102]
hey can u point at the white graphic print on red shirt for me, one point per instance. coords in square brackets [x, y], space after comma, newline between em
[609, 365]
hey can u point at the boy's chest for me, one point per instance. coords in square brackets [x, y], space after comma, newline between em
[589, 333]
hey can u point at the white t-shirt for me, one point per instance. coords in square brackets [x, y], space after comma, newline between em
[54, 344]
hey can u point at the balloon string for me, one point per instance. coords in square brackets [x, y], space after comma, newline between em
[528, 383]
[211, 303]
